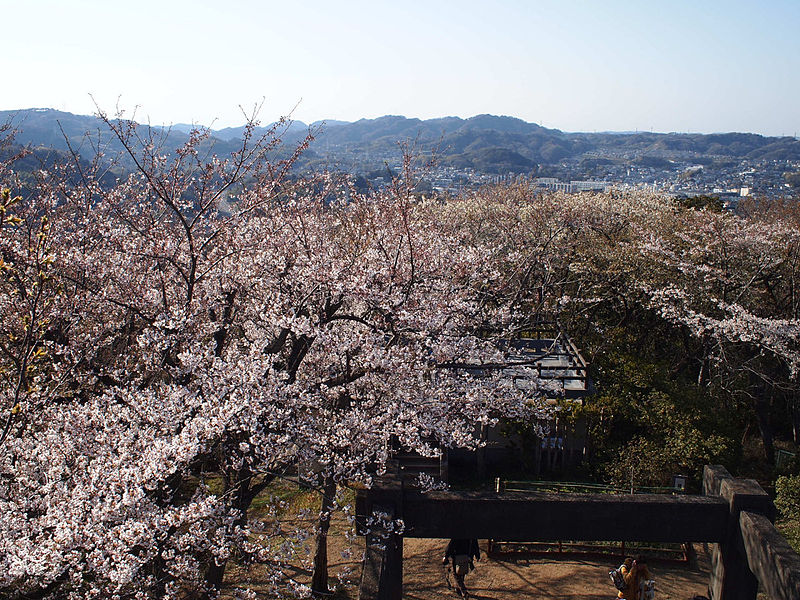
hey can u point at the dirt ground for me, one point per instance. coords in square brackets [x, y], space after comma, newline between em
[500, 577]
[518, 577]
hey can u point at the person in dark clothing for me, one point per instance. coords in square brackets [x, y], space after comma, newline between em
[462, 552]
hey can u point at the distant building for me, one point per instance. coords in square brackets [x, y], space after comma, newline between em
[545, 354]
[553, 184]
[589, 186]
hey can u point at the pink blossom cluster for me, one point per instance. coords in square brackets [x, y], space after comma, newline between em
[174, 341]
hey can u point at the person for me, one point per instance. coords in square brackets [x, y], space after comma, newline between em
[462, 551]
[635, 573]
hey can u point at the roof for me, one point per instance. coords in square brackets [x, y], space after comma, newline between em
[553, 359]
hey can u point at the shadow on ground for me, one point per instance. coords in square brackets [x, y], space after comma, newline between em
[557, 578]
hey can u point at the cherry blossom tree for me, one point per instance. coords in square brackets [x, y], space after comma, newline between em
[207, 317]
[730, 281]
[176, 335]
[725, 282]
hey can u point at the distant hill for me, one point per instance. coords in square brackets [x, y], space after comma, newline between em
[493, 144]
[292, 128]
[45, 128]
[328, 123]
[49, 128]
[476, 140]
[491, 160]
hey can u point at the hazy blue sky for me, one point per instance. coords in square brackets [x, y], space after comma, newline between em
[702, 65]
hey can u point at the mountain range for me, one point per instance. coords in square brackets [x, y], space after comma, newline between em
[493, 144]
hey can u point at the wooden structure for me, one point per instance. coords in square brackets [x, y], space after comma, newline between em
[676, 552]
[546, 353]
[555, 359]
[734, 515]
[550, 355]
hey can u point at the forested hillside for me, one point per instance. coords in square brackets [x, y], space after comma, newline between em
[174, 342]
[485, 142]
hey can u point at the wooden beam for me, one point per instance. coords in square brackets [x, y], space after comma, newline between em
[731, 576]
[543, 516]
[770, 557]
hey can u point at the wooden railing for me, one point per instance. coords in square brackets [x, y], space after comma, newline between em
[734, 516]
[753, 551]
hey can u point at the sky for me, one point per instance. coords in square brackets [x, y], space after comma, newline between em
[611, 65]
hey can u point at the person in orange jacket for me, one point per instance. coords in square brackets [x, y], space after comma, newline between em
[634, 574]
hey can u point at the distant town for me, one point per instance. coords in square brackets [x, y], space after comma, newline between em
[451, 154]
[728, 180]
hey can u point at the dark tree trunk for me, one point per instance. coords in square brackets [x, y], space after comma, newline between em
[765, 427]
[240, 485]
[319, 579]
[214, 576]
[481, 453]
[795, 409]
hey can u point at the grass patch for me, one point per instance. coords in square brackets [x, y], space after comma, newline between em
[284, 497]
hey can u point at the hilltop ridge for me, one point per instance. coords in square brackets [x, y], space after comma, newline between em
[484, 143]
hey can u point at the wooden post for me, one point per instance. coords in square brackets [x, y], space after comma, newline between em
[382, 568]
[770, 557]
[731, 577]
[394, 569]
[382, 571]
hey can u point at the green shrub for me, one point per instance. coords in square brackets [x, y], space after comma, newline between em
[787, 500]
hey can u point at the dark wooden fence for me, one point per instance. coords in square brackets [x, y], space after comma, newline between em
[734, 516]
[752, 550]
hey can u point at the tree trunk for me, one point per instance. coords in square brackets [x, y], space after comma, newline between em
[238, 484]
[795, 408]
[481, 453]
[213, 578]
[765, 427]
[319, 579]
[537, 456]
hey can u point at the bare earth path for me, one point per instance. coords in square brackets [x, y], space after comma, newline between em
[504, 577]
[520, 578]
